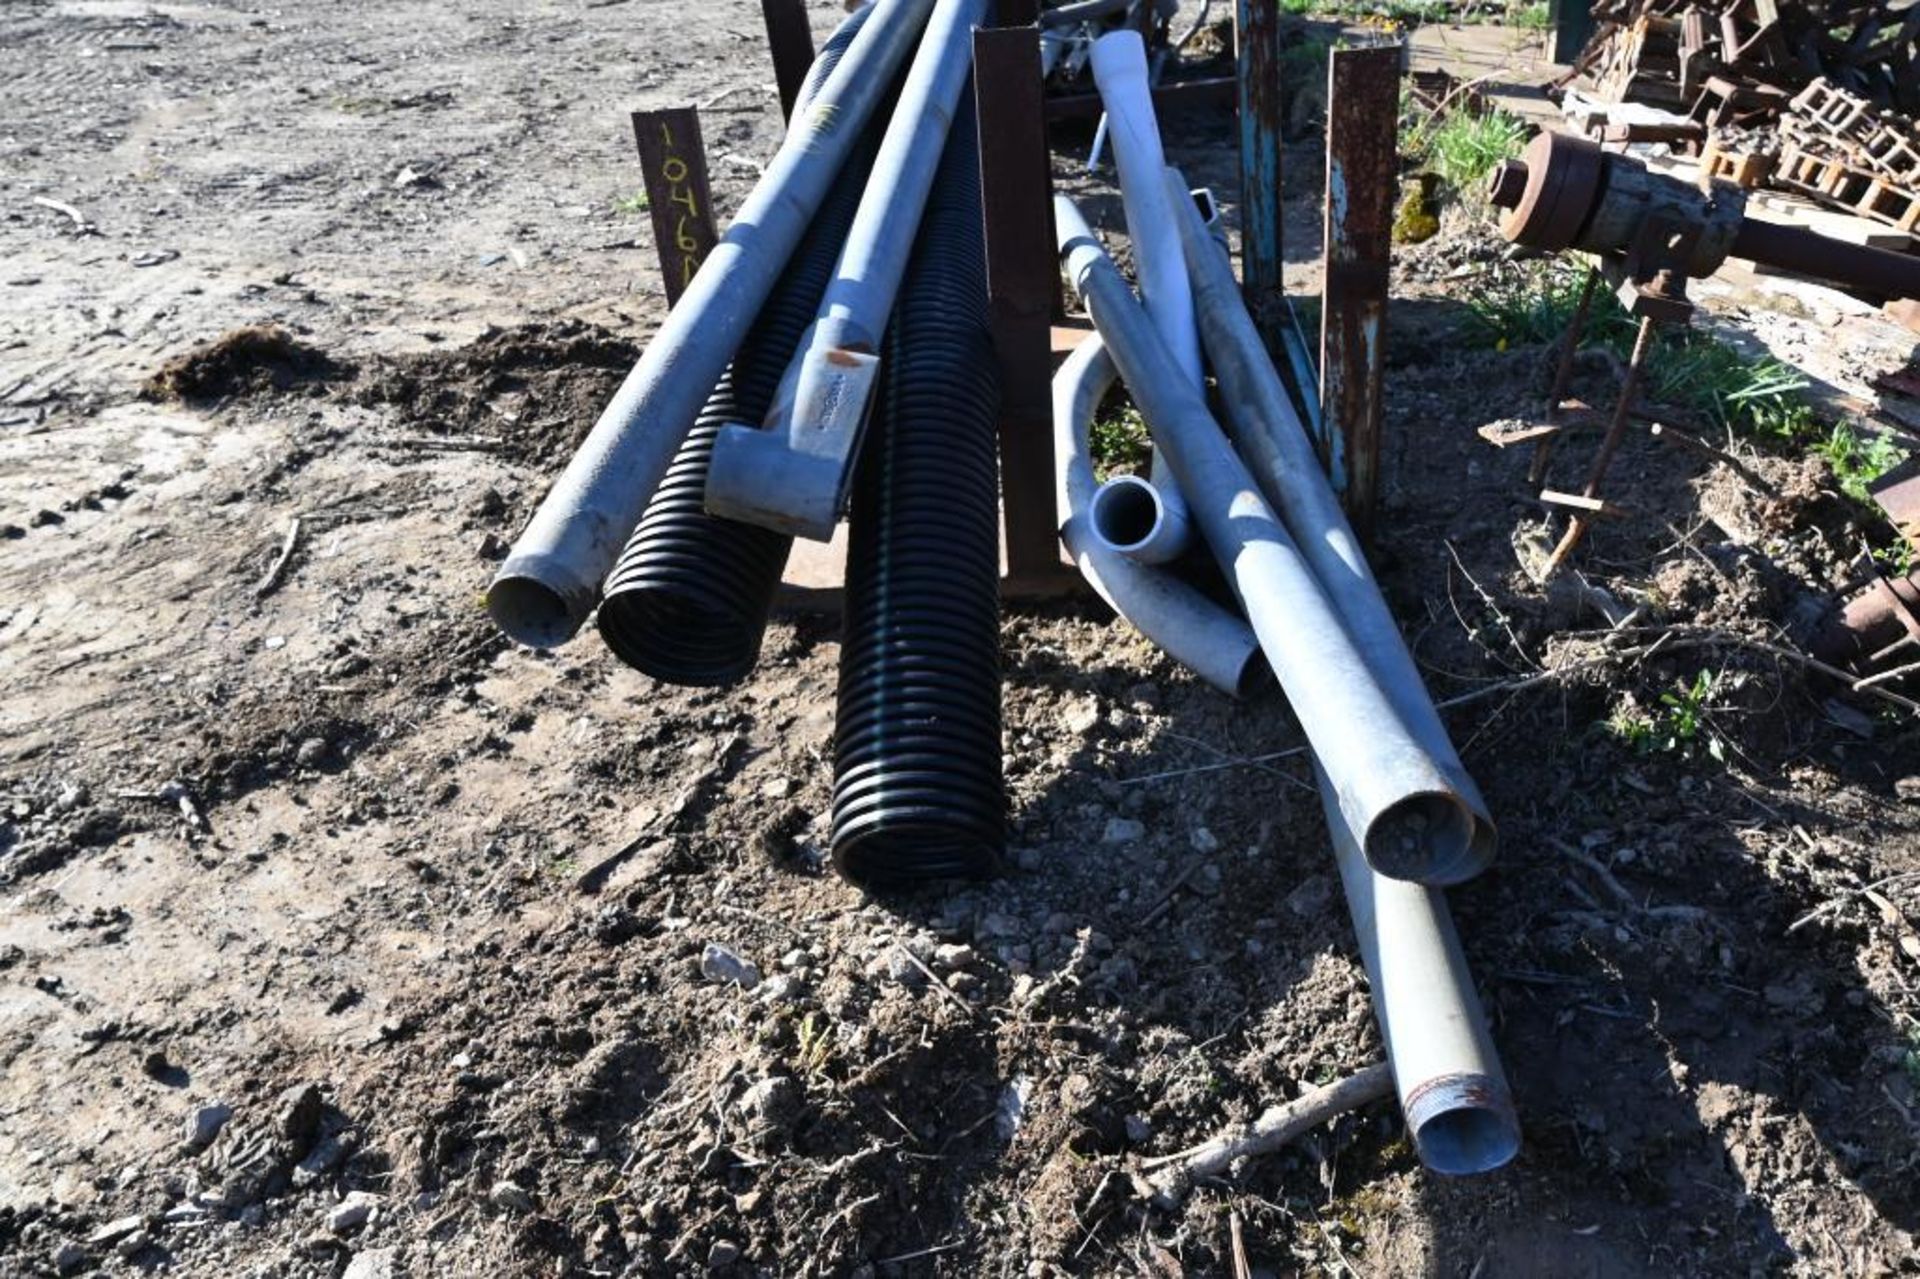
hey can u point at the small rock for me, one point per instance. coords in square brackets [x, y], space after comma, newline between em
[773, 1103]
[781, 988]
[300, 1108]
[1123, 830]
[205, 1123]
[1206, 881]
[1139, 1131]
[995, 925]
[962, 983]
[70, 1258]
[794, 961]
[953, 956]
[1203, 840]
[1310, 897]
[373, 1263]
[1083, 715]
[322, 1159]
[510, 1196]
[116, 1230]
[723, 1253]
[352, 1212]
[134, 1244]
[72, 796]
[718, 964]
[311, 752]
[901, 968]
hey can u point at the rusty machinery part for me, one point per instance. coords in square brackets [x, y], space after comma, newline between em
[1880, 617]
[1564, 192]
[1880, 273]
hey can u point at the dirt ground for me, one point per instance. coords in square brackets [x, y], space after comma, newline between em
[311, 961]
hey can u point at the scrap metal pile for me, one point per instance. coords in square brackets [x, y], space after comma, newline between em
[1816, 98]
[850, 290]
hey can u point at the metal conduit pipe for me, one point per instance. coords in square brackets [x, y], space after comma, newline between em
[1146, 519]
[551, 578]
[792, 474]
[1409, 817]
[1196, 632]
[1445, 1068]
[688, 600]
[1268, 434]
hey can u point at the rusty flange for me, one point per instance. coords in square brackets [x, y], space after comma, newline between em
[1550, 191]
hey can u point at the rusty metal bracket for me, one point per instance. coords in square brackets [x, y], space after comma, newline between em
[673, 164]
[790, 40]
[1023, 288]
[1363, 108]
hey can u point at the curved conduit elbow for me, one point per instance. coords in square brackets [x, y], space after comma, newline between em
[688, 600]
[917, 787]
[1146, 519]
[1196, 632]
[1409, 816]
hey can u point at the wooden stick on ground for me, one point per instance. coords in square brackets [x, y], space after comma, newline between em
[271, 582]
[1276, 1128]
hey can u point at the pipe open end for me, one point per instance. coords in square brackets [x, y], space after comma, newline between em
[529, 611]
[1463, 1124]
[1426, 839]
[1126, 514]
[1254, 675]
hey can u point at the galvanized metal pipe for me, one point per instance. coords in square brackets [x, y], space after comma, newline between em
[1410, 818]
[552, 577]
[792, 473]
[1146, 520]
[1445, 1068]
[1196, 632]
[1269, 435]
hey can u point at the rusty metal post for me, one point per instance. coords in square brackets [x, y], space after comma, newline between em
[1363, 107]
[1256, 41]
[673, 164]
[1023, 284]
[790, 40]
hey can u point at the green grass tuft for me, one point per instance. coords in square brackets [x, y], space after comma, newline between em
[1530, 17]
[1858, 462]
[1463, 147]
[1118, 441]
[1678, 723]
[1691, 369]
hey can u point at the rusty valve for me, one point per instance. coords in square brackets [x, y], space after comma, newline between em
[1564, 192]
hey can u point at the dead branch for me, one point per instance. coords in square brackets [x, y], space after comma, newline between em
[271, 582]
[1276, 1128]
